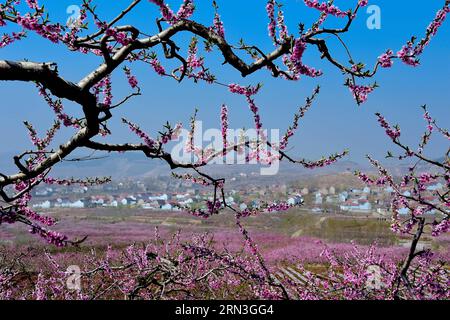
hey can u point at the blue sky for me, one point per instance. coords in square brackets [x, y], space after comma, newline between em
[334, 123]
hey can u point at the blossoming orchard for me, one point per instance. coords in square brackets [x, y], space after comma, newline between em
[174, 44]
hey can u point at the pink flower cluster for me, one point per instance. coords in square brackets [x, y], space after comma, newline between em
[81, 182]
[429, 121]
[326, 161]
[326, 7]
[52, 237]
[284, 33]
[33, 215]
[104, 87]
[442, 227]
[246, 91]
[380, 181]
[166, 12]
[438, 20]
[270, 8]
[120, 37]
[224, 124]
[141, 134]
[195, 63]
[255, 110]
[363, 3]
[275, 23]
[192, 60]
[360, 92]
[58, 108]
[278, 207]
[188, 177]
[212, 208]
[409, 53]
[6, 39]
[295, 63]
[218, 25]
[393, 133]
[132, 80]
[185, 12]
[365, 178]
[170, 134]
[43, 143]
[159, 69]
[385, 59]
[33, 4]
[51, 32]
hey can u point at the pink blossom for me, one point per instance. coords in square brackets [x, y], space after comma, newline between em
[246, 91]
[360, 92]
[326, 7]
[385, 59]
[393, 133]
[224, 121]
[270, 8]
[141, 134]
[132, 80]
[159, 69]
[296, 65]
[363, 3]
[218, 25]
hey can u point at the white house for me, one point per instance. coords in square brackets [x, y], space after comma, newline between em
[230, 200]
[187, 202]
[163, 197]
[435, 187]
[43, 205]
[181, 196]
[295, 201]
[403, 211]
[114, 203]
[343, 196]
[355, 205]
[389, 190]
[319, 199]
[77, 204]
[166, 207]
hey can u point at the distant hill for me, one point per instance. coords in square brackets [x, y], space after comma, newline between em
[115, 165]
[131, 165]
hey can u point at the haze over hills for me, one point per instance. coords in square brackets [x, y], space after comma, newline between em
[136, 165]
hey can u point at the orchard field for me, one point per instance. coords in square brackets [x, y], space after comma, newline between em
[294, 236]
